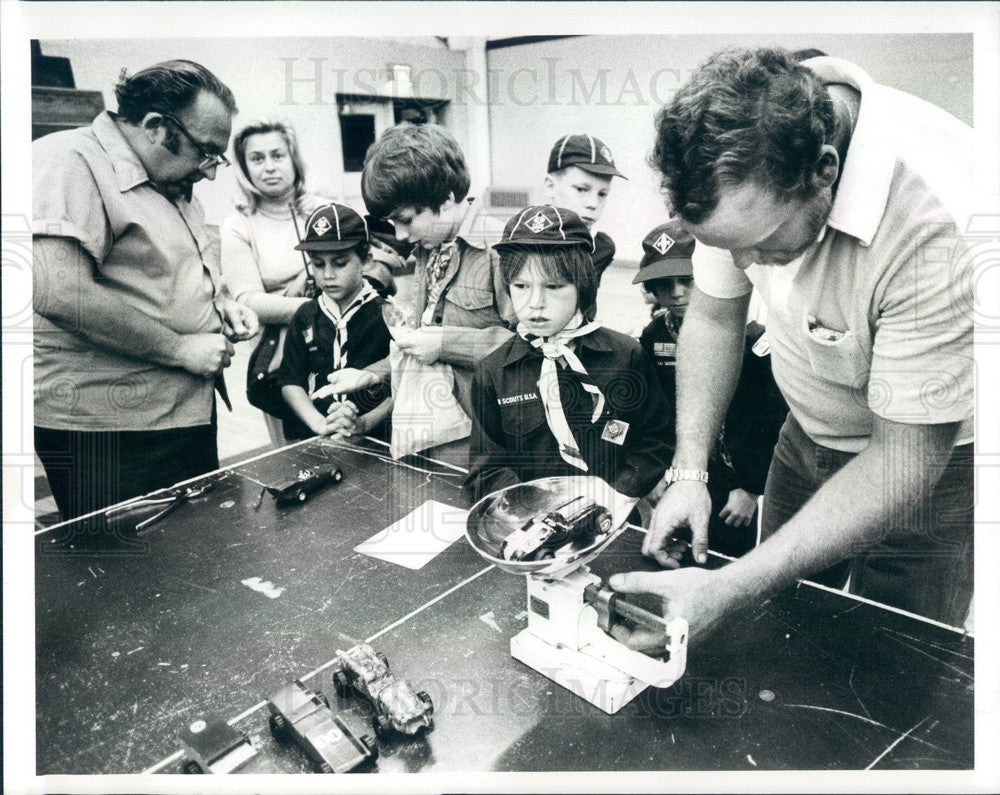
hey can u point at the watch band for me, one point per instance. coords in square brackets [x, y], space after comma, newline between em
[673, 475]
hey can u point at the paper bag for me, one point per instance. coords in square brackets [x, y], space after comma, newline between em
[425, 412]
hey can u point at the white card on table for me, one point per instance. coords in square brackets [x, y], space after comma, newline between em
[418, 537]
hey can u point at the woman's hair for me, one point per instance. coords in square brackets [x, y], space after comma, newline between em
[252, 195]
[572, 264]
[168, 87]
[413, 166]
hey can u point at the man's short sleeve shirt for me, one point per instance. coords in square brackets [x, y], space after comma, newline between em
[875, 319]
[155, 254]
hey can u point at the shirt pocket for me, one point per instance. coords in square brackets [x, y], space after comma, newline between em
[840, 360]
[522, 420]
[469, 298]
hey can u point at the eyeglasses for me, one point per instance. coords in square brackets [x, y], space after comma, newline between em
[208, 160]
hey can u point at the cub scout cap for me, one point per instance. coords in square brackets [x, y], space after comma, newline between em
[667, 252]
[333, 227]
[545, 225]
[583, 151]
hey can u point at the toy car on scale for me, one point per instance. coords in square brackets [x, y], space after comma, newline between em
[578, 520]
[398, 708]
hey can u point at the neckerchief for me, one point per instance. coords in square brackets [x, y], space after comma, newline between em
[340, 319]
[438, 265]
[556, 348]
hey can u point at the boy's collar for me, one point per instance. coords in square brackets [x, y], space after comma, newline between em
[595, 341]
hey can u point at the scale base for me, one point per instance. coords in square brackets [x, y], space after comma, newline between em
[603, 685]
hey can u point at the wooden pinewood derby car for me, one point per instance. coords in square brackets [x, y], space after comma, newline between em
[305, 717]
[397, 707]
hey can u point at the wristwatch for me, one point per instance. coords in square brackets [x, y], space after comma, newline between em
[673, 475]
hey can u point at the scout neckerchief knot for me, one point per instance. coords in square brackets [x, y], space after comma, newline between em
[553, 349]
[440, 261]
[340, 319]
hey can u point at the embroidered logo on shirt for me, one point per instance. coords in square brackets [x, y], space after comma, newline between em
[538, 223]
[664, 243]
[506, 401]
[322, 226]
[615, 432]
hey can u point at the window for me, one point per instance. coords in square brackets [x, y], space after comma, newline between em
[357, 133]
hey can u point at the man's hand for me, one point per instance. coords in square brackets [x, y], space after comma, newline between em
[685, 504]
[240, 321]
[206, 355]
[423, 343]
[344, 382]
[700, 596]
[340, 422]
[739, 508]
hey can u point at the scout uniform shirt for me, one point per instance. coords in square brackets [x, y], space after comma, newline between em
[308, 356]
[753, 420]
[511, 441]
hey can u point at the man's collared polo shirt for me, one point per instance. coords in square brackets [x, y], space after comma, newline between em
[876, 317]
[90, 186]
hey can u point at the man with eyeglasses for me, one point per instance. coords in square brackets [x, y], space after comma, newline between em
[132, 326]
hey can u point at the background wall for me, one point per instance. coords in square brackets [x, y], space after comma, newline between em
[257, 71]
[612, 86]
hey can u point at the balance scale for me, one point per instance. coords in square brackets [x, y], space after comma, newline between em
[570, 612]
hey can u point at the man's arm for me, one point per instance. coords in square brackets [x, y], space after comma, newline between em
[67, 294]
[709, 358]
[872, 494]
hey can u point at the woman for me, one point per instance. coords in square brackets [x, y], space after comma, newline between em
[260, 265]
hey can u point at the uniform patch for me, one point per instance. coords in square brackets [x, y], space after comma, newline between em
[615, 432]
[664, 243]
[507, 401]
[665, 350]
[538, 223]
[307, 335]
[322, 226]
[606, 154]
[762, 347]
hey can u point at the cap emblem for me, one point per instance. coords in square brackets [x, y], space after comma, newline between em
[664, 243]
[322, 226]
[539, 223]
[606, 154]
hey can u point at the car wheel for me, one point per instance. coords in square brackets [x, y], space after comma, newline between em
[326, 701]
[337, 475]
[427, 700]
[369, 742]
[381, 726]
[383, 658]
[278, 726]
[191, 767]
[301, 495]
[340, 684]
[325, 767]
[605, 524]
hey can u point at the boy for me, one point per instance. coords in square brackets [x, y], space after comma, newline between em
[417, 178]
[341, 327]
[579, 178]
[565, 396]
[738, 470]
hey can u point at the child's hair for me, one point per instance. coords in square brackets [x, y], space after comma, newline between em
[413, 166]
[572, 264]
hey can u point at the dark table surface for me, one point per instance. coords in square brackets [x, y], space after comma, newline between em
[136, 641]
